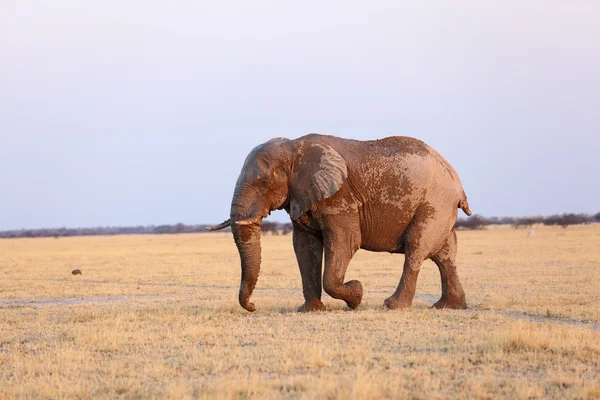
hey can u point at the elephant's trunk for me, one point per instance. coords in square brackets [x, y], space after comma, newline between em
[247, 239]
[246, 216]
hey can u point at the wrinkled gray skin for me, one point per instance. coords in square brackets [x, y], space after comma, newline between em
[396, 195]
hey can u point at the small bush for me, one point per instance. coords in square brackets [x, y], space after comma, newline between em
[476, 222]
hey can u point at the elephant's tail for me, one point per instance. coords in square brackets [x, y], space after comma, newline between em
[463, 204]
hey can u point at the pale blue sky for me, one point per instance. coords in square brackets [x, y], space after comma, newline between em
[126, 113]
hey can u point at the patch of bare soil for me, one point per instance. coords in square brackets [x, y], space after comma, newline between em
[71, 301]
[419, 297]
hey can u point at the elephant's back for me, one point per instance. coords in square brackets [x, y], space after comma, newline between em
[393, 162]
[415, 157]
[390, 144]
[399, 145]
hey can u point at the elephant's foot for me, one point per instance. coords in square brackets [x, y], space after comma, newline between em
[354, 305]
[457, 303]
[393, 302]
[351, 292]
[311, 305]
[354, 294]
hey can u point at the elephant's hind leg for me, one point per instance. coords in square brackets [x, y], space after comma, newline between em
[453, 295]
[405, 292]
[423, 237]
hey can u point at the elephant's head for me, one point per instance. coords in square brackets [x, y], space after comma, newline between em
[278, 174]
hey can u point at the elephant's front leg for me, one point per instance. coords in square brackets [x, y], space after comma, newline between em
[309, 253]
[340, 246]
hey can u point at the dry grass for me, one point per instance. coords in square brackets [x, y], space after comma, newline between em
[175, 329]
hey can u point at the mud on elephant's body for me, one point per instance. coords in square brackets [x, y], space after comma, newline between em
[395, 195]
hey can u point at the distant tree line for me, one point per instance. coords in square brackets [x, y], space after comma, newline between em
[103, 231]
[278, 228]
[267, 227]
[479, 222]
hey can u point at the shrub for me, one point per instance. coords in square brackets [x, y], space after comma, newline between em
[476, 222]
[267, 226]
[527, 222]
[574, 219]
[567, 219]
[286, 228]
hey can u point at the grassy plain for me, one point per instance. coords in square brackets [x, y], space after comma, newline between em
[157, 316]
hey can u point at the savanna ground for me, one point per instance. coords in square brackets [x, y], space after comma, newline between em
[157, 316]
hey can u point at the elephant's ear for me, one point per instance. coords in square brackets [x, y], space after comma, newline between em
[319, 172]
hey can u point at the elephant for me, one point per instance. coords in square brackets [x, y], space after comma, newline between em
[395, 195]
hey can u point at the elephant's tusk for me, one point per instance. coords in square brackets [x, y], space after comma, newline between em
[255, 220]
[222, 225]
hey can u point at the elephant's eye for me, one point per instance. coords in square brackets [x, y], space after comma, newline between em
[264, 164]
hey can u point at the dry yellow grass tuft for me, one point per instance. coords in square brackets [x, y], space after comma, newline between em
[157, 316]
